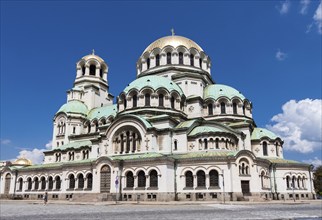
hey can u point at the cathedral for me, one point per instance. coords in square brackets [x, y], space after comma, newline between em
[174, 134]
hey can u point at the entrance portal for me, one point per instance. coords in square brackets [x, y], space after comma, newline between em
[105, 179]
[7, 184]
[245, 187]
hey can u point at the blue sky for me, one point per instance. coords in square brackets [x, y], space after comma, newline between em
[269, 50]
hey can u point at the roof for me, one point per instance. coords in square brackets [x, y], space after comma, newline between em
[75, 145]
[154, 82]
[215, 91]
[186, 124]
[53, 165]
[204, 154]
[281, 160]
[259, 133]
[74, 106]
[137, 156]
[173, 41]
[93, 56]
[206, 129]
[105, 111]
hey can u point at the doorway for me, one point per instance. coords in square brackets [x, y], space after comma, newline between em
[245, 187]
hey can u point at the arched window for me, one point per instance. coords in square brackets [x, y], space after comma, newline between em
[161, 98]
[58, 182]
[200, 63]
[129, 180]
[175, 145]
[148, 63]
[122, 143]
[235, 108]
[189, 179]
[206, 144]
[89, 181]
[89, 128]
[213, 178]
[71, 181]
[223, 108]
[135, 101]
[168, 58]
[153, 178]
[92, 70]
[101, 73]
[80, 181]
[287, 182]
[243, 109]
[210, 109]
[141, 179]
[293, 182]
[50, 183]
[201, 179]
[217, 143]
[262, 179]
[29, 183]
[36, 183]
[147, 99]
[172, 102]
[83, 70]
[180, 58]
[20, 184]
[127, 142]
[192, 60]
[243, 167]
[43, 183]
[265, 148]
[276, 149]
[157, 60]
[303, 182]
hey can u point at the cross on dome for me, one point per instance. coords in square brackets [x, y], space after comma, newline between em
[93, 52]
[172, 32]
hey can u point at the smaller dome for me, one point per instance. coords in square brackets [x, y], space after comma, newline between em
[74, 106]
[105, 111]
[154, 82]
[22, 161]
[173, 41]
[93, 56]
[259, 133]
[216, 91]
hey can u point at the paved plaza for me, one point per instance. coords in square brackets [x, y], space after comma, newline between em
[31, 210]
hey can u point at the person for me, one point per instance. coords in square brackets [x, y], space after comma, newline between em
[45, 198]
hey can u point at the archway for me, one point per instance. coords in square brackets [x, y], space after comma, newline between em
[105, 179]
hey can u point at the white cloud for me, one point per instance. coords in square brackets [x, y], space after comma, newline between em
[318, 18]
[5, 141]
[316, 162]
[280, 56]
[35, 155]
[304, 6]
[284, 7]
[49, 145]
[300, 125]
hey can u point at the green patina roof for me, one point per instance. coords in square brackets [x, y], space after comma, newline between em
[186, 124]
[74, 106]
[280, 160]
[205, 129]
[136, 156]
[53, 165]
[104, 111]
[75, 145]
[204, 154]
[215, 91]
[259, 133]
[154, 82]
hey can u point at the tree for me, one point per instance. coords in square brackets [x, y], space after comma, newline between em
[318, 180]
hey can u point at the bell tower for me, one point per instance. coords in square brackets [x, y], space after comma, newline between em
[91, 85]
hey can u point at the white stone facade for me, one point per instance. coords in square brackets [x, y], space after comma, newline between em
[173, 134]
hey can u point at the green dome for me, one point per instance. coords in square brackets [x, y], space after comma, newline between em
[259, 133]
[105, 111]
[74, 106]
[154, 82]
[215, 91]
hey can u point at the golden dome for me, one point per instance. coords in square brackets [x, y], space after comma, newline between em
[173, 41]
[22, 161]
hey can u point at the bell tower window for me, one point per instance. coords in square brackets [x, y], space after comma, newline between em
[180, 58]
[172, 102]
[168, 58]
[235, 108]
[92, 69]
[265, 148]
[83, 70]
[135, 101]
[148, 63]
[161, 100]
[192, 57]
[210, 109]
[147, 99]
[223, 108]
[157, 60]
